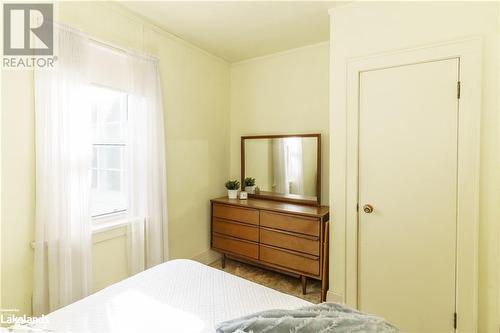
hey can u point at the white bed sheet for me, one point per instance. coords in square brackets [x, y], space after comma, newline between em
[177, 296]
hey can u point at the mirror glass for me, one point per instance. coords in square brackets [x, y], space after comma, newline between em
[286, 166]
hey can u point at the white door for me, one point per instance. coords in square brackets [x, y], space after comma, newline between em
[408, 128]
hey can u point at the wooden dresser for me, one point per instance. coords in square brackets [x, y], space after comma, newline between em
[286, 237]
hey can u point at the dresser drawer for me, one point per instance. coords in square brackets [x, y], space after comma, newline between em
[306, 244]
[287, 259]
[238, 230]
[235, 246]
[235, 213]
[303, 225]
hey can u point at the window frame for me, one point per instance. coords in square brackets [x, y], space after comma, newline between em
[115, 216]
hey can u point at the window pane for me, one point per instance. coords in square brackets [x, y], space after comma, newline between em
[109, 180]
[108, 195]
[94, 179]
[114, 113]
[109, 115]
[94, 114]
[110, 132]
[110, 157]
[105, 202]
[109, 119]
[94, 158]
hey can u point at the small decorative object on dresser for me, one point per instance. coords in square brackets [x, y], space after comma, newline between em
[243, 195]
[232, 188]
[250, 185]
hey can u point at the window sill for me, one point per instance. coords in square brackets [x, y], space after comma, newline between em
[101, 227]
[107, 226]
[103, 224]
[111, 227]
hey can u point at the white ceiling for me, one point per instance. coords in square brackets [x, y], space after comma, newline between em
[239, 30]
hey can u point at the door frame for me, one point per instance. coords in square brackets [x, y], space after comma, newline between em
[469, 54]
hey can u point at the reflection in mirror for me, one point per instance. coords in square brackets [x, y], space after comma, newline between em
[283, 165]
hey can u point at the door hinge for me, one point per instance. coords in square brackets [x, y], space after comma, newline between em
[458, 89]
[455, 320]
[357, 207]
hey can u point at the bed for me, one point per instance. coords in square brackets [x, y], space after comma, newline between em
[176, 296]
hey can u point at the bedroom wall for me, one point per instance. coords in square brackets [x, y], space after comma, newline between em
[356, 31]
[282, 93]
[196, 101]
[18, 188]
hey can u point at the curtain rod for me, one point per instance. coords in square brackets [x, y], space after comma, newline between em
[107, 44]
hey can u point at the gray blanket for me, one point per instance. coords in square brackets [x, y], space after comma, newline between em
[321, 318]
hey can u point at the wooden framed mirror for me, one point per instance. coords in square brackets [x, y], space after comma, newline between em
[285, 167]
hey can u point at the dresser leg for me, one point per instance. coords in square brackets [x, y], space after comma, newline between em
[303, 279]
[223, 261]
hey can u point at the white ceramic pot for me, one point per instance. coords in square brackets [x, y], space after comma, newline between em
[250, 189]
[232, 194]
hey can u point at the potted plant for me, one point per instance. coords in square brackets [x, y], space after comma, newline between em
[232, 188]
[250, 185]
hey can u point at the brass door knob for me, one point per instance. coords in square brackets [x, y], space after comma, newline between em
[368, 209]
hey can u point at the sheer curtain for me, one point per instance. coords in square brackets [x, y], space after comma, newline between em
[62, 268]
[146, 172]
[294, 165]
[288, 174]
[280, 179]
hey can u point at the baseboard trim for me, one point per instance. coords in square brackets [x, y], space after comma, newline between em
[206, 257]
[334, 297]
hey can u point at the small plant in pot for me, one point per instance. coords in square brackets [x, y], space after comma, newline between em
[232, 188]
[250, 185]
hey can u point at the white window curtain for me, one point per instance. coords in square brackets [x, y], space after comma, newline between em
[62, 267]
[279, 167]
[62, 270]
[288, 171]
[294, 165]
[146, 172]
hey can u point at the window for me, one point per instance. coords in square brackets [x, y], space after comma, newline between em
[109, 139]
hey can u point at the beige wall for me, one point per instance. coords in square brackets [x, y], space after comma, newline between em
[309, 159]
[283, 93]
[365, 28]
[18, 189]
[259, 163]
[196, 102]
